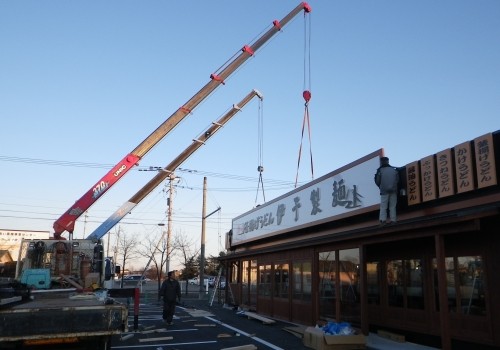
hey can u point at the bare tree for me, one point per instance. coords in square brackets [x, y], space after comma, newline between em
[126, 248]
[156, 251]
[187, 252]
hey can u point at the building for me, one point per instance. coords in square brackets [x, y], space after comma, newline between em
[318, 252]
[10, 240]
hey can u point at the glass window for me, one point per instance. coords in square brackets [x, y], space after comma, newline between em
[395, 281]
[234, 272]
[264, 280]
[405, 283]
[302, 281]
[373, 273]
[253, 283]
[281, 280]
[470, 274]
[464, 283]
[349, 275]
[245, 266]
[349, 286]
[327, 278]
[245, 292]
[414, 284]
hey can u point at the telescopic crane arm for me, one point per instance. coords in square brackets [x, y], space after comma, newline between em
[164, 173]
[67, 221]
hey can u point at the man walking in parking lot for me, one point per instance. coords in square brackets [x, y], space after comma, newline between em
[170, 291]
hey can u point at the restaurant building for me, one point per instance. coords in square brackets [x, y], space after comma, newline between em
[318, 252]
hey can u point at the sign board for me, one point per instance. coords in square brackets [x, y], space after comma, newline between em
[466, 167]
[485, 161]
[10, 240]
[339, 194]
[445, 174]
[463, 167]
[428, 176]
[413, 183]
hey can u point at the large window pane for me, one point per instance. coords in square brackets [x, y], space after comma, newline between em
[234, 272]
[470, 274]
[349, 283]
[281, 280]
[265, 280]
[302, 281]
[349, 275]
[245, 290]
[414, 284]
[464, 283]
[253, 282]
[373, 280]
[327, 278]
[306, 280]
[395, 280]
[405, 283]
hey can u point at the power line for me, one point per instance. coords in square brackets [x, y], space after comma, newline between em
[280, 184]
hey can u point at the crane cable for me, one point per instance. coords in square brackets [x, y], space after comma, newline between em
[306, 94]
[260, 132]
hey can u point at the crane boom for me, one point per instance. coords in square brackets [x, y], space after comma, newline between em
[67, 221]
[169, 169]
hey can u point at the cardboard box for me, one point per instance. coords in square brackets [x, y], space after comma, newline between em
[315, 338]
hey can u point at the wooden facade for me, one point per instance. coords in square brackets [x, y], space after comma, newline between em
[432, 276]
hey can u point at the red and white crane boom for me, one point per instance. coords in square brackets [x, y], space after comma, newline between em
[164, 173]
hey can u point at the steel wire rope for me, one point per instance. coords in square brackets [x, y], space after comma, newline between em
[260, 150]
[306, 94]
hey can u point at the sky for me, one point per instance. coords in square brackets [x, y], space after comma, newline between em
[83, 83]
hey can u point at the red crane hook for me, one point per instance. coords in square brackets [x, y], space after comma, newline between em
[307, 95]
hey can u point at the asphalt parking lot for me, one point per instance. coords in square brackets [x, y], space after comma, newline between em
[197, 325]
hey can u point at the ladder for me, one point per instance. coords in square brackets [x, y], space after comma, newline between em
[216, 286]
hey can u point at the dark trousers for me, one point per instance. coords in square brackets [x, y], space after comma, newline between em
[168, 310]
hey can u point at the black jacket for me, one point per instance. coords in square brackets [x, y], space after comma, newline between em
[387, 179]
[170, 290]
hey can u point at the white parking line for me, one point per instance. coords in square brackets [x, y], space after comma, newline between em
[262, 341]
[143, 346]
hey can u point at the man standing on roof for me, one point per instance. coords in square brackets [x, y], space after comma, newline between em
[387, 179]
[170, 291]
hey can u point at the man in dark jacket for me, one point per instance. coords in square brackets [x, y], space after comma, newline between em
[170, 291]
[387, 179]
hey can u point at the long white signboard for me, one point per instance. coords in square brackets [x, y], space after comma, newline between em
[341, 193]
[10, 240]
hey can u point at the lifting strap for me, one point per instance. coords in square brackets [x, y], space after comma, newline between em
[306, 94]
[260, 167]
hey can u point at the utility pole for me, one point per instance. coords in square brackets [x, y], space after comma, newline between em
[202, 250]
[169, 222]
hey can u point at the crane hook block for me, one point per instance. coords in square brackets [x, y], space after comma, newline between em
[307, 95]
[217, 78]
[260, 168]
[248, 50]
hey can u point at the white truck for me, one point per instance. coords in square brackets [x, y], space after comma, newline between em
[56, 297]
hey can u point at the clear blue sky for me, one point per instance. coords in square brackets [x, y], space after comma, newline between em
[82, 83]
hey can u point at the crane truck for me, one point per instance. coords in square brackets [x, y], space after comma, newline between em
[62, 291]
